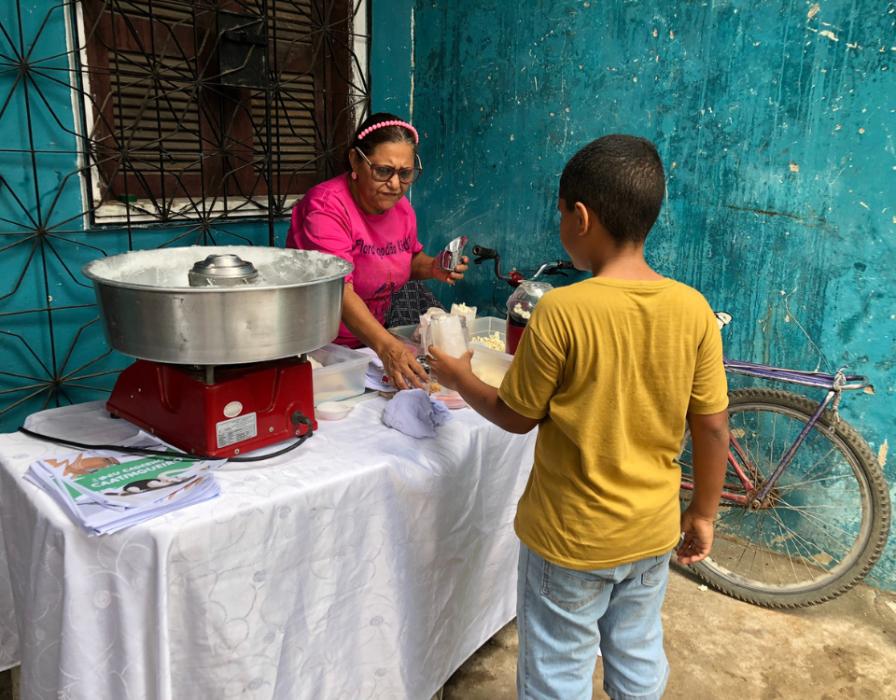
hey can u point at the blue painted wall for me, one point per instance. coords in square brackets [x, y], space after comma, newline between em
[54, 356]
[775, 121]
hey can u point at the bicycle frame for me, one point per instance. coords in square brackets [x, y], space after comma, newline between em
[748, 474]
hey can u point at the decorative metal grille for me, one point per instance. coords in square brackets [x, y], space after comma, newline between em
[134, 124]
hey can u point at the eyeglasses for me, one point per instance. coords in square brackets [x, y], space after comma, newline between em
[384, 173]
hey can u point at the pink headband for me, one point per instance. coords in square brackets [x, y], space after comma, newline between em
[390, 123]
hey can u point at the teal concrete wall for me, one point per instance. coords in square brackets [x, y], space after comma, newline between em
[52, 358]
[775, 121]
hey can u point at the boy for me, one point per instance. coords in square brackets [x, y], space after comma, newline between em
[610, 369]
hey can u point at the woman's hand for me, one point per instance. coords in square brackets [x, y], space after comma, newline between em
[449, 370]
[401, 366]
[446, 276]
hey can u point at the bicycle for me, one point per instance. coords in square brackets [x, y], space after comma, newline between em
[800, 522]
[516, 277]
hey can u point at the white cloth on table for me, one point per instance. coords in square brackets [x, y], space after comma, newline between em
[366, 564]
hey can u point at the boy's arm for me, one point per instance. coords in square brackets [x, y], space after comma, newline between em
[457, 375]
[531, 382]
[709, 439]
[481, 397]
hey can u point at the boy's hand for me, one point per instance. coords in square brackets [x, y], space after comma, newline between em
[698, 533]
[448, 369]
[457, 375]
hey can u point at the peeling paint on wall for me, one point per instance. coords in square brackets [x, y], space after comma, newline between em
[776, 125]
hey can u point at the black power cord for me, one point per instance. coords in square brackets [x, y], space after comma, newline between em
[301, 420]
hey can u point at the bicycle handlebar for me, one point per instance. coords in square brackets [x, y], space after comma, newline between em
[557, 267]
[484, 253]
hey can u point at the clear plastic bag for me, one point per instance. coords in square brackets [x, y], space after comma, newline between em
[448, 335]
[468, 313]
[444, 331]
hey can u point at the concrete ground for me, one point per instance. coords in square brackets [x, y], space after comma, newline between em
[9, 684]
[720, 648]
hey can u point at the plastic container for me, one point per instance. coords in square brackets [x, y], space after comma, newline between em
[332, 410]
[490, 365]
[487, 326]
[482, 326]
[342, 374]
[404, 331]
[451, 399]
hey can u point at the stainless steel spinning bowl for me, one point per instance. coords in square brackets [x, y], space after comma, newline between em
[147, 312]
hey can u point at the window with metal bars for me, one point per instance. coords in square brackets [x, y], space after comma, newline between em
[214, 107]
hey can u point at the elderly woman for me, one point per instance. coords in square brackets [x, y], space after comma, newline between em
[364, 217]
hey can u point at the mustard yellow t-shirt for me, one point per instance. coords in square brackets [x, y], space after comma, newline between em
[613, 367]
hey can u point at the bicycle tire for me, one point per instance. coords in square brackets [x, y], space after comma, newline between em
[800, 508]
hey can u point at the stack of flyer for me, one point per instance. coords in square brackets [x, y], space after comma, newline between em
[376, 374]
[104, 490]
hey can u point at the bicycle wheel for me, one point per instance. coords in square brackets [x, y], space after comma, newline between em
[823, 526]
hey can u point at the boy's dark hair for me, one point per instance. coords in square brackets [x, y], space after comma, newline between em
[385, 134]
[621, 178]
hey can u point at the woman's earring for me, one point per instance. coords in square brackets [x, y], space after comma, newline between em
[354, 176]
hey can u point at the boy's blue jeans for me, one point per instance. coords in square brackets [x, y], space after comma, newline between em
[564, 616]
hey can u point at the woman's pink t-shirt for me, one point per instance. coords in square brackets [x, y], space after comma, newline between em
[380, 246]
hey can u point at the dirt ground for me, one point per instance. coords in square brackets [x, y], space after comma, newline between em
[720, 648]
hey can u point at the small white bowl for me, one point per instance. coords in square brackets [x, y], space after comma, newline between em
[332, 410]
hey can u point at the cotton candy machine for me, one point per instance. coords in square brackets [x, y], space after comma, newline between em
[220, 334]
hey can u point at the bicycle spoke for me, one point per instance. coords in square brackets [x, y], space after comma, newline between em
[751, 456]
[818, 521]
[814, 466]
[741, 510]
[771, 449]
[820, 506]
[762, 552]
[797, 538]
[756, 550]
[823, 476]
[826, 489]
[757, 451]
[784, 539]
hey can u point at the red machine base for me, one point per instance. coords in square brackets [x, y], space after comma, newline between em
[246, 408]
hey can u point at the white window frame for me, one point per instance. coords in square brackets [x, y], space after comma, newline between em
[182, 209]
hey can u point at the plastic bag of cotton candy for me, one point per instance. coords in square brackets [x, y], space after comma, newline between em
[444, 331]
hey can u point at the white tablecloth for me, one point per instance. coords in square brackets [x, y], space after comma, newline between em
[364, 565]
